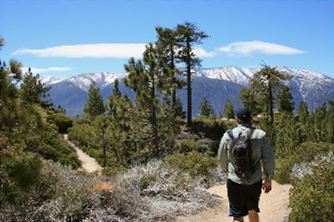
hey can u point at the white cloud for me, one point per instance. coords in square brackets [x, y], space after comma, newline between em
[202, 53]
[100, 50]
[46, 70]
[258, 47]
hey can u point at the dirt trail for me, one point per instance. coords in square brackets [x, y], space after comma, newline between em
[88, 163]
[274, 206]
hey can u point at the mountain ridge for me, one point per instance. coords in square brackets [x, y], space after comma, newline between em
[217, 84]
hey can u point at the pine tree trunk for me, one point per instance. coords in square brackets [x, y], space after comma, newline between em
[104, 156]
[104, 145]
[154, 123]
[189, 90]
[270, 109]
[155, 132]
[172, 66]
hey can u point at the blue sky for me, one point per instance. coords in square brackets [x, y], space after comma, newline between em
[67, 37]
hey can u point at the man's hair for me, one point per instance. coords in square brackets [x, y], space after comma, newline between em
[244, 115]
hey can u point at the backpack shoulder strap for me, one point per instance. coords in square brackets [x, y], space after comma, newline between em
[230, 134]
[251, 132]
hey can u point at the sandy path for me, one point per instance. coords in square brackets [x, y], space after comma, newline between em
[88, 163]
[274, 206]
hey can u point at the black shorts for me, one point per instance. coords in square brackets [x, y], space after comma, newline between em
[243, 198]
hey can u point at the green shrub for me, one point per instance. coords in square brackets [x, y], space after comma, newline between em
[194, 163]
[61, 120]
[19, 172]
[312, 199]
[283, 169]
[305, 152]
[206, 145]
[146, 181]
[212, 129]
[186, 146]
[202, 145]
[26, 172]
[308, 150]
[51, 146]
[113, 171]
[82, 134]
[229, 124]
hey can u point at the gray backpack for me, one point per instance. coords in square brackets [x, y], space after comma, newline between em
[242, 154]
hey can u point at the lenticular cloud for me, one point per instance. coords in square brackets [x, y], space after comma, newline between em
[101, 50]
[258, 47]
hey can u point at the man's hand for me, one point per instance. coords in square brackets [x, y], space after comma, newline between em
[266, 186]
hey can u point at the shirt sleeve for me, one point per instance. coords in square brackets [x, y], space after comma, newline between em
[222, 153]
[268, 159]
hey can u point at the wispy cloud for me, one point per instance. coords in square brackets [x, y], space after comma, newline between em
[100, 50]
[258, 47]
[199, 52]
[47, 70]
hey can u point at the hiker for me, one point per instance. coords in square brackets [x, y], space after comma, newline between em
[246, 155]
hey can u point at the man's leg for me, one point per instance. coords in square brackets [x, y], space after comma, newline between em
[253, 216]
[238, 219]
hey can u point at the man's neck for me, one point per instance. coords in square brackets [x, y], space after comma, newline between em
[248, 125]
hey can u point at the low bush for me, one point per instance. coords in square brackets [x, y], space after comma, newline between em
[51, 146]
[185, 146]
[283, 169]
[207, 145]
[156, 192]
[61, 120]
[113, 171]
[304, 153]
[196, 164]
[307, 151]
[58, 194]
[148, 193]
[312, 199]
[207, 128]
[19, 172]
[146, 181]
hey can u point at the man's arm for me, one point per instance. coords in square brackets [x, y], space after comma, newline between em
[222, 153]
[268, 163]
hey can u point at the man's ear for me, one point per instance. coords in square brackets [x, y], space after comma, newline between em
[238, 120]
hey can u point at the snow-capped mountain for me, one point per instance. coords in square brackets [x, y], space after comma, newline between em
[313, 87]
[216, 84]
[83, 81]
[50, 80]
[228, 73]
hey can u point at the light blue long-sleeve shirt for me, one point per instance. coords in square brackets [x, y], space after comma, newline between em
[262, 155]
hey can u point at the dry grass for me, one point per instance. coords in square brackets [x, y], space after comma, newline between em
[144, 193]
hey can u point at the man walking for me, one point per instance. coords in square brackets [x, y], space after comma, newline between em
[246, 155]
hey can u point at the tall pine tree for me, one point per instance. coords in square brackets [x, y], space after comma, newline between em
[319, 124]
[304, 122]
[205, 108]
[33, 91]
[285, 100]
[94, 105]
[8, 93]
[330, 122]
[189, 35]
[263, 90]
[167, 46]
[142, 79]
[248, 99]
[303, 112]
[120, 130]
[228, 110]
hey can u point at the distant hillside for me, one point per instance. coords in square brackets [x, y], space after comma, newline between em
[217, 84]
